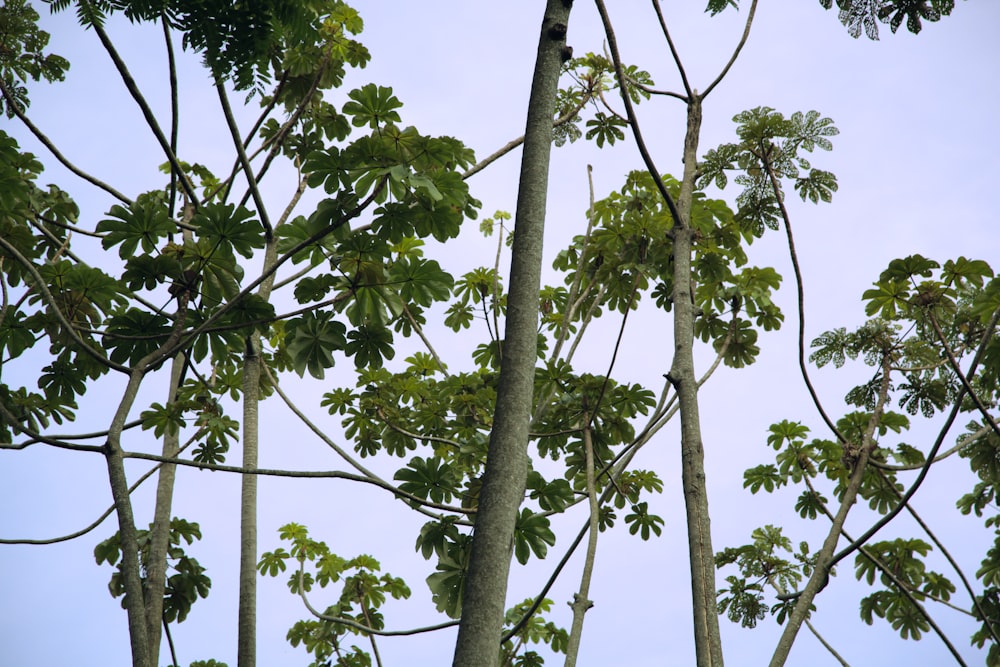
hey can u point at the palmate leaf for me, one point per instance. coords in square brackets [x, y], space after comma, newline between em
[642, 522]
[311, 340]
[373, 106]
[885, 298]
[532, 535]
[429, 478]
[605, 128]
[226, 226]
[370, 346]
[134, 334]
[143, 225]
[420, 281]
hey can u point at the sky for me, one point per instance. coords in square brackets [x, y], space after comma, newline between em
[916, 166]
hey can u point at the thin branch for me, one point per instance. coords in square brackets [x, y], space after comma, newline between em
[416, 436]
[234, 131]
[930, 455]
[69, 329]
[799, 285]
[308, 474]
[106, 513]
[147, 112]
[358, 626]
[961, 376]
[561, 120]
[13, 106]
[736, 53]
[673, 52]
[174, 117]
[961, 444]
[430, 348]
[633, 121]
[954, 564]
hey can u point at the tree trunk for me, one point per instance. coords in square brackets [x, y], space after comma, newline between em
[246, 650]
[708, 643]
[131, 575]
[506, 469]
[159, 538]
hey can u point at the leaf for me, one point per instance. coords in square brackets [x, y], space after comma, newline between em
[226, 226]
[765, 476]
[373, 106]
[429, 478]
[642, 522]
[532, 534]
[143, 225]
[370, 346]
[311, 340]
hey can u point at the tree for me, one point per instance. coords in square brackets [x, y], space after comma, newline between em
[373, 281]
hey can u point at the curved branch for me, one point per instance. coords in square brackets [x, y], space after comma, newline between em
[100, 519]
[961, 376]
[930, 455]
[147, 112]
[962, 443]
[633, 120]
[70, 330]
[736, 53]
[954, 564]
[561, 120]
[416, 436]
[45, 141]
[364, 628]
[673, 52]
[308, 474]
[801, 297]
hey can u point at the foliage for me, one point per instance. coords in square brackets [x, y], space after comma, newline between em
[184, 586]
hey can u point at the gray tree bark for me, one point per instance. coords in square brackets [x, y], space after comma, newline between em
[708, 642]
[478, 643]
[159, 539]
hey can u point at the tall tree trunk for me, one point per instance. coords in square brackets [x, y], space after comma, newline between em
[246, 650]
[581, 603]
[134, 604]
[159, 538]
[708, 643]
[506, 469]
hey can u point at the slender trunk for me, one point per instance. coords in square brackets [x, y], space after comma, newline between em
[159, 539]
[246, 650]
[821, 573]
[708, 644]
[478, 643]
[130, 570]
[581, 603]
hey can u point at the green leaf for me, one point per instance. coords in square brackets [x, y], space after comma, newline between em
[143, 225]
[311, 340]
[370, 346]
[226, 226]
[373, 106]
[642, 522]
[532, 534]
[429, 478]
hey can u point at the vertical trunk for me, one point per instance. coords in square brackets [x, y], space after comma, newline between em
[159, 539]
[708, 644]
[126, 526]
[246, 651]
[581, 603]
[506, 469]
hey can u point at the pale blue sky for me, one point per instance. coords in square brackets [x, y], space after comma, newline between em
[916, 162]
